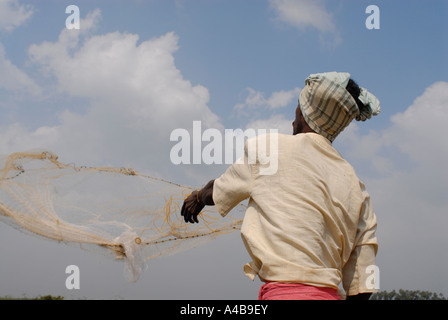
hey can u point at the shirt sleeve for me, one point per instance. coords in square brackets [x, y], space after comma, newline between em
[360, 274]
[234, 185]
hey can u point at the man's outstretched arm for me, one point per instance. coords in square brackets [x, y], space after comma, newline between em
[196, 201]
[206, 194]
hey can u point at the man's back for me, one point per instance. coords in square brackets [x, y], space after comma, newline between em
[302, 221]
[310, 221]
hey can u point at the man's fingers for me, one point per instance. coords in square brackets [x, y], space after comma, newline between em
[182, 211]
[195, 217]
[189, 208]
[187, 215]
[185, 209]
[185, 212]
[192, 212]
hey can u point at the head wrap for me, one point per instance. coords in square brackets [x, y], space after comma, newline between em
[328, 107]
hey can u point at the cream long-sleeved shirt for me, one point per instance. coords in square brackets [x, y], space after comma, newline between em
[310, 222]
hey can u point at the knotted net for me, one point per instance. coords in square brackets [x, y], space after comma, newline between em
[131, 216]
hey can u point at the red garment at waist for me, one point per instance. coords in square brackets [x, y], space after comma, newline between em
[296, 291]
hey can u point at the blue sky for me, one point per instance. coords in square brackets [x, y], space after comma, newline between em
[221, 39]
[222, 62]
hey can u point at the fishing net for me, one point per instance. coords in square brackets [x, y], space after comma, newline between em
[131, 216]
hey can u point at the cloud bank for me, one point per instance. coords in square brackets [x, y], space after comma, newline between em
[405, 170]
[13, 14]
[135, 94]
[13, 79]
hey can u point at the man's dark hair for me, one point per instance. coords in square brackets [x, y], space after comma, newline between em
[354, 90]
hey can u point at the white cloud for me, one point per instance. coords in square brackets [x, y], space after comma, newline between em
[404, 167]
[416, 135]
[256, 108]
[136, 97]
[283, 98]
[259, 112]
[12, 14]
[303, 14]
[13, 79]
[423, 124]
[139, 81]
[279, 99]
[277, 122]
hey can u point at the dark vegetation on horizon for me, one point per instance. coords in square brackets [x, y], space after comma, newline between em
[381, 295]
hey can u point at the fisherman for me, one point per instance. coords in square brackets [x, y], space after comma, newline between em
[310, 226]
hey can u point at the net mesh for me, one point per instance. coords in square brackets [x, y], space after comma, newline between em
[129, 215]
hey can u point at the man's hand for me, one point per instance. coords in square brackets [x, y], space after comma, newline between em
[196, 201]
[192, 207]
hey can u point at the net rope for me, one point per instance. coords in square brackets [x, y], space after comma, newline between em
[131, 216]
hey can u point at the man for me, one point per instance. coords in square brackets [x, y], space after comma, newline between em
[310, 225]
